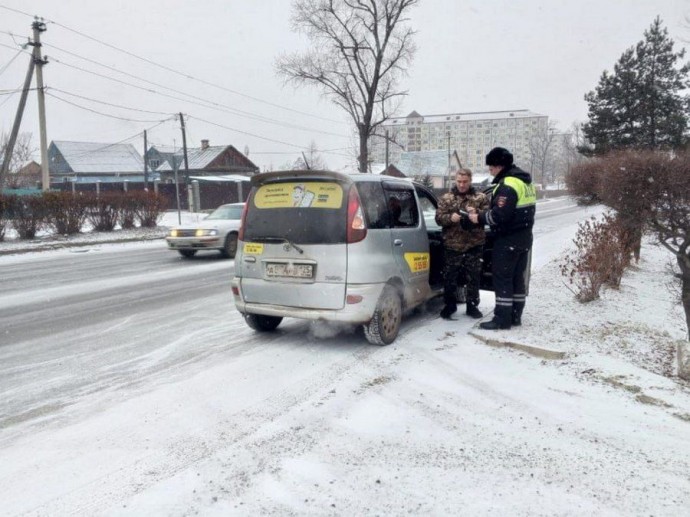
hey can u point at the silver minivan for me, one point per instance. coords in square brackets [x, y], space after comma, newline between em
[328, 246]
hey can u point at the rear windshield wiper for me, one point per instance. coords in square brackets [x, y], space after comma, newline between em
[278, 239]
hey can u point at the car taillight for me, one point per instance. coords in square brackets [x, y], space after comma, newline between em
[356, 227]
[243, 221]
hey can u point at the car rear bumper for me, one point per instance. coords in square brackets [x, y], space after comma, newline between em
[364, 296]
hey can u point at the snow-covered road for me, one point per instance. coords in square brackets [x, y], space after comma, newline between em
[172, 406]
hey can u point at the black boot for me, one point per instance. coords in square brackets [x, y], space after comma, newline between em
[500, 321]
[473, 311]
[516, 316]
[449, 310]
[494, 324]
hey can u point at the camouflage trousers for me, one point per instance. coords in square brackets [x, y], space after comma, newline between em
[462, 268]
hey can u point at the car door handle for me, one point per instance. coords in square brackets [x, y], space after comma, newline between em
[397, 242]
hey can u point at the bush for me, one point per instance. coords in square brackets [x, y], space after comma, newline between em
[600, 257]
[582, 182]
[29, 216]
[104, 211]
[65, 212]
[129, 208]
[150, 207]
[6, 213]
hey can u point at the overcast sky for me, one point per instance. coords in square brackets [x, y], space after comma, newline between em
[473, 55]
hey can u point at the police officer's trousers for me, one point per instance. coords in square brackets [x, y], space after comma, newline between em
[508, 267]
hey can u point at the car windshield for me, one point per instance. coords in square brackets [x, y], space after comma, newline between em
[226, 212]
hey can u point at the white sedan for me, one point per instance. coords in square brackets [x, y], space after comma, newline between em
[218, 231]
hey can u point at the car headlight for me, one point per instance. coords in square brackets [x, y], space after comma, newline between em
[206, 233]
[173, 233]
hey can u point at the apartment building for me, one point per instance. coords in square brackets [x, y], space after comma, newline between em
[471, 135]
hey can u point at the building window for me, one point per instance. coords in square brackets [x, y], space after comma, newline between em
[154, 163]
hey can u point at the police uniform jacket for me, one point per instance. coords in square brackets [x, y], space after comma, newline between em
[513, 205]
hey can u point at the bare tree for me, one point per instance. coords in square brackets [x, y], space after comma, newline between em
[314, 159]
[572, 145]
[22, 153]
[360, 50]
[541, 150]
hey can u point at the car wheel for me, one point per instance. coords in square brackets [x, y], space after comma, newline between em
[385, 324]
[187, 253]
[262, 323]
[230, 248]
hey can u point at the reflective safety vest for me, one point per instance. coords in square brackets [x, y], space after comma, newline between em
[526, 193]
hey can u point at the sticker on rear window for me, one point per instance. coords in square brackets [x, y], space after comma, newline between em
[417, 261]
[314, 194]
[253, 248]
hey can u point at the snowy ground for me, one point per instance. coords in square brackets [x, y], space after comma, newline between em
[438, 423]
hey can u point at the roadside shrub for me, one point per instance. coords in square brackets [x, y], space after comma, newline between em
[29, 215]
[6, 211]
[582, 182]
[600, 257]
[65, 212]
[621, 243]
[129, 207]
[104, 211]
[150, 208]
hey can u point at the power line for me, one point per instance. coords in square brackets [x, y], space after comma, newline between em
[177, 72]
[202, 102]
[207, 103]
[15, 48]
[106, 146]
[302, 148]
[16, 90]
[98, 112]
[6, 66]
[108, 103]
[188, 76]
[16, 10]
[245, 132]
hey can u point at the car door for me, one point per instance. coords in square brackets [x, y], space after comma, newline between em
[409, 241]
[428, 204]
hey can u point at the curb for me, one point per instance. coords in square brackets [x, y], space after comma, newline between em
[67, 244]
[544, 353]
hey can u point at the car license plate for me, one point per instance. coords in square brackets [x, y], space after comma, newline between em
[290, 270]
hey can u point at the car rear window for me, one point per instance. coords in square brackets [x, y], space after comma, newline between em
[309, 212]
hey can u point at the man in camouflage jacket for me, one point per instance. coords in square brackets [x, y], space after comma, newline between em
[463, 243]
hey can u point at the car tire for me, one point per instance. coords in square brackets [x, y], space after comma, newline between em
[385, 323]
[230, 247]
[262, 323]
[187, 253]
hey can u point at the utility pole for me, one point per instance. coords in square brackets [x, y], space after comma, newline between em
[9, 148]
[184, 149]
[306, 163]
[39, 27]
[146, 163]
[386, 149]
[449, 179]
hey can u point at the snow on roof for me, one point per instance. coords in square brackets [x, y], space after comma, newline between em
[100, 157]
[221, 178]
[165, 149]
[420, 163]
[197, 157]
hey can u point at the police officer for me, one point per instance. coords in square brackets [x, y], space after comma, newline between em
[511, 217]
[462, 243]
